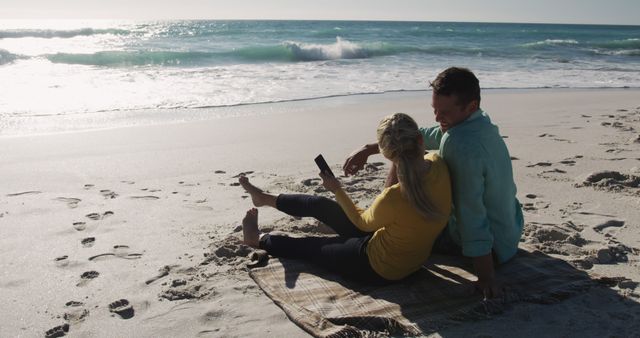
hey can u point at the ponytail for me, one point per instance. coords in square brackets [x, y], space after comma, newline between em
[398, 140]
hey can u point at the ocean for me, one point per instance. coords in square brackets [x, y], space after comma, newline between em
[68, 75]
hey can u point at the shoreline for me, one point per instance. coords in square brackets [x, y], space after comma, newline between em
[123, 118]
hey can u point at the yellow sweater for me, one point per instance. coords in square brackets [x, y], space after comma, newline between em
[403, 238]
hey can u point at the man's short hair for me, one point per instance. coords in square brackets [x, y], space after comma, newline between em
[457, 81]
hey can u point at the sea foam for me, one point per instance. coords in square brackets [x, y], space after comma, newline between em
[7, 57]
[341, 49]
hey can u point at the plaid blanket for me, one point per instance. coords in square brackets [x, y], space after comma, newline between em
[439, 295]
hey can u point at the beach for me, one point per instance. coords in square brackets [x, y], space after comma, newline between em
[134, 231]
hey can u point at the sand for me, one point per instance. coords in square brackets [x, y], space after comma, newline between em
[134, 231]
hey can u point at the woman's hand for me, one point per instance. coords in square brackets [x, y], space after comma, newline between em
[329, 182]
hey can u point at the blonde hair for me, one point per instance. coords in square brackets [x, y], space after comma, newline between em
[398, 137]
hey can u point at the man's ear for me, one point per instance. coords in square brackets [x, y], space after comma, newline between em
[472, 107]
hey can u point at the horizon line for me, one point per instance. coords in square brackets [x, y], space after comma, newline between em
[320, 20]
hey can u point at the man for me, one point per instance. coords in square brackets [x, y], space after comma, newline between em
[486, 222]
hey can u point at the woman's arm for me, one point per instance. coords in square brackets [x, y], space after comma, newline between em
[368, 220]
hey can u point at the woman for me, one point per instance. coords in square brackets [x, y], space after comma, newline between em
[382, 244]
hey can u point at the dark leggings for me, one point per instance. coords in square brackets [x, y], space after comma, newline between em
[344, 254]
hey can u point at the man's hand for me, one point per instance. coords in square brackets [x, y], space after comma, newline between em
[487, 283]
[329, 182]
[356, 161]
[489, 288]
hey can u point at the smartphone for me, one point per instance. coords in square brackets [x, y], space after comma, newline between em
[322, 164]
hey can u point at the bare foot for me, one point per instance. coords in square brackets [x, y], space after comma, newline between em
[250, 228]
[258, 197]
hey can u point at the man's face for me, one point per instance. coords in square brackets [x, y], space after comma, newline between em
[449, 113]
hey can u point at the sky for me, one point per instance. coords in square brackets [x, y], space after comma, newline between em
[624, 12]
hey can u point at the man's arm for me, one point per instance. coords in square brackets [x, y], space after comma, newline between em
[358, 158]
[467, 175]
[432, 137]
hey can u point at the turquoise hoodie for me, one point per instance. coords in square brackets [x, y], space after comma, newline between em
[487, 215]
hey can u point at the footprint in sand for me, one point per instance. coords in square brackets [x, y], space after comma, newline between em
[611, 180]
[76, 316]
[539, 164]
[71, 202]
[563, 239]
[24, 193]
[184, 292]
[120, 251]
[61, 261]
[163, 272]
[534, 206]
[90, 274]
[128, 182]
[245, 173]
[568, 162]
[88, 242]
[219, 172]
[73, 303]
[148, 198]
[88, 186]
[96, 216]
[79, 226]
[608, 224]
[122, 308]
[58, 331]
[211, 316]
[562, 140]
[611, 254]
[150, 190]
[555, 170]
[108, 194]
[87, 276]
[616, 150]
